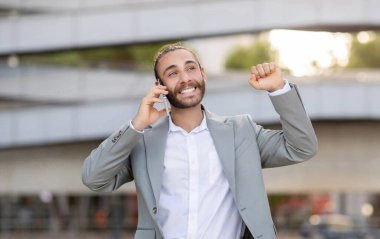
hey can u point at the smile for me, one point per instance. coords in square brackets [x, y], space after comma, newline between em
[186, 91]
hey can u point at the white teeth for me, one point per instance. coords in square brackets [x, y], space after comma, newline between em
[187, 90]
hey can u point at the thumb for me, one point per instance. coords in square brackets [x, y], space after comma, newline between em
[161, 113]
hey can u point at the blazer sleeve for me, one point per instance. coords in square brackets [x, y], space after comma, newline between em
[109, 165]
[296, 142]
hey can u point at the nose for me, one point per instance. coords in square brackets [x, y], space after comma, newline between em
[185, 77]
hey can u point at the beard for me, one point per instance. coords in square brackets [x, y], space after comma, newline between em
[173, 99]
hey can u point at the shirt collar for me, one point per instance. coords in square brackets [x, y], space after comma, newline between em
[199, 128]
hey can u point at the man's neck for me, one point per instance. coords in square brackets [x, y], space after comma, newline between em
[187, 119]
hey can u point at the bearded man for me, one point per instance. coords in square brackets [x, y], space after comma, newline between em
[198, 174]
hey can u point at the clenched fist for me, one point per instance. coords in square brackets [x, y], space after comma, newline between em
[266, 76]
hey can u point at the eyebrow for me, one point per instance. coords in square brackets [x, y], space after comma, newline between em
[174, 66]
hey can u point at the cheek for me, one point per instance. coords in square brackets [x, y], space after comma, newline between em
[196, 74]
[172, 89]
[169, 83]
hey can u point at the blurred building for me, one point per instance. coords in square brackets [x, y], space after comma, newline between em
[52, 117]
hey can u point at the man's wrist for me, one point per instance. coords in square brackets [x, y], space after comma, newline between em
[286, 88]
[137, 129]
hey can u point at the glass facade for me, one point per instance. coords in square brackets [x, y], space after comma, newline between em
[76, 216]
[115, 216]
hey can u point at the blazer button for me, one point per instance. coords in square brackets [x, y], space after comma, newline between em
[155, 210]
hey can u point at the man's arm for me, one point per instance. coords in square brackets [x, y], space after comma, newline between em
[109, 165]
[296, 141]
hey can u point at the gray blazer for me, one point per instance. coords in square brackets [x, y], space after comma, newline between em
[244, 149]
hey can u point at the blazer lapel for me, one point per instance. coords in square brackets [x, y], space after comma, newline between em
[222, 134]
[155, 144]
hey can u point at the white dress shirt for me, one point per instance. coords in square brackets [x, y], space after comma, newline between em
[195, 199]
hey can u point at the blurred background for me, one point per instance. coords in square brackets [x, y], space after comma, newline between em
[73, 71]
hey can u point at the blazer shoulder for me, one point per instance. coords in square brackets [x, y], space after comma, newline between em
[236, 120]
[240, 119]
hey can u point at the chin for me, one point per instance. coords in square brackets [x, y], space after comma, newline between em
[186, 104]
[177, 101]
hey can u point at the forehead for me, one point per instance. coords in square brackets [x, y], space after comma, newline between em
[176, 57]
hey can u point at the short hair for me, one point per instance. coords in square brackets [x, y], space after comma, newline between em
[169, 48]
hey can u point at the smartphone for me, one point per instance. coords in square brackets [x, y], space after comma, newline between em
[165, 100]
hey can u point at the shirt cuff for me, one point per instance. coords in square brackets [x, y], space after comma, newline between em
[284, 90]
[131, 125]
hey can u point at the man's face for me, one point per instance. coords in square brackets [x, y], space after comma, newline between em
[180, 72]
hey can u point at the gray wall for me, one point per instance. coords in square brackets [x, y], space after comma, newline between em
[348, 161]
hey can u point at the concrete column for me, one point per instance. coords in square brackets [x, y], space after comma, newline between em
[5, 212]
[84, 202]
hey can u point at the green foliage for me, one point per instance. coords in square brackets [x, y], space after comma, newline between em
[365, 55]
[62, 58]
[137, 57]
[244, 57]
[144, 54]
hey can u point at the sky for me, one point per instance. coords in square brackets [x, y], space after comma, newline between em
[298, 50]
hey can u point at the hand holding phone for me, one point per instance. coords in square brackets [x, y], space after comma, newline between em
[147, 113]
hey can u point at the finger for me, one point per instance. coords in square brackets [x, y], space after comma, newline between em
[261, 71]
[151, 101]
[160, 91]
[255, 83]
[162, 112]
[253, 77]
[161, 86]
[255, 72]
[272, 67]
[155, 92]
[266, 68]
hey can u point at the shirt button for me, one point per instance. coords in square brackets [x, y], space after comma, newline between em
[155, 210]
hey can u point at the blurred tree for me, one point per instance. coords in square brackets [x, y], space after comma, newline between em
[68, 58]
[365, 54]
[144, 54]
[137, 57]
[244, 57]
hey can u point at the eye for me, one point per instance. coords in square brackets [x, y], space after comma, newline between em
[172, 73]
[190, 68]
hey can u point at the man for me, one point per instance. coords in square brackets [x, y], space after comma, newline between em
[198, 174]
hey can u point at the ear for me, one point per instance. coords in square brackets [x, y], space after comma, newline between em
[203, 73]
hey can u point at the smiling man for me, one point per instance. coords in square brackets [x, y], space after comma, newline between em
[198, 174]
